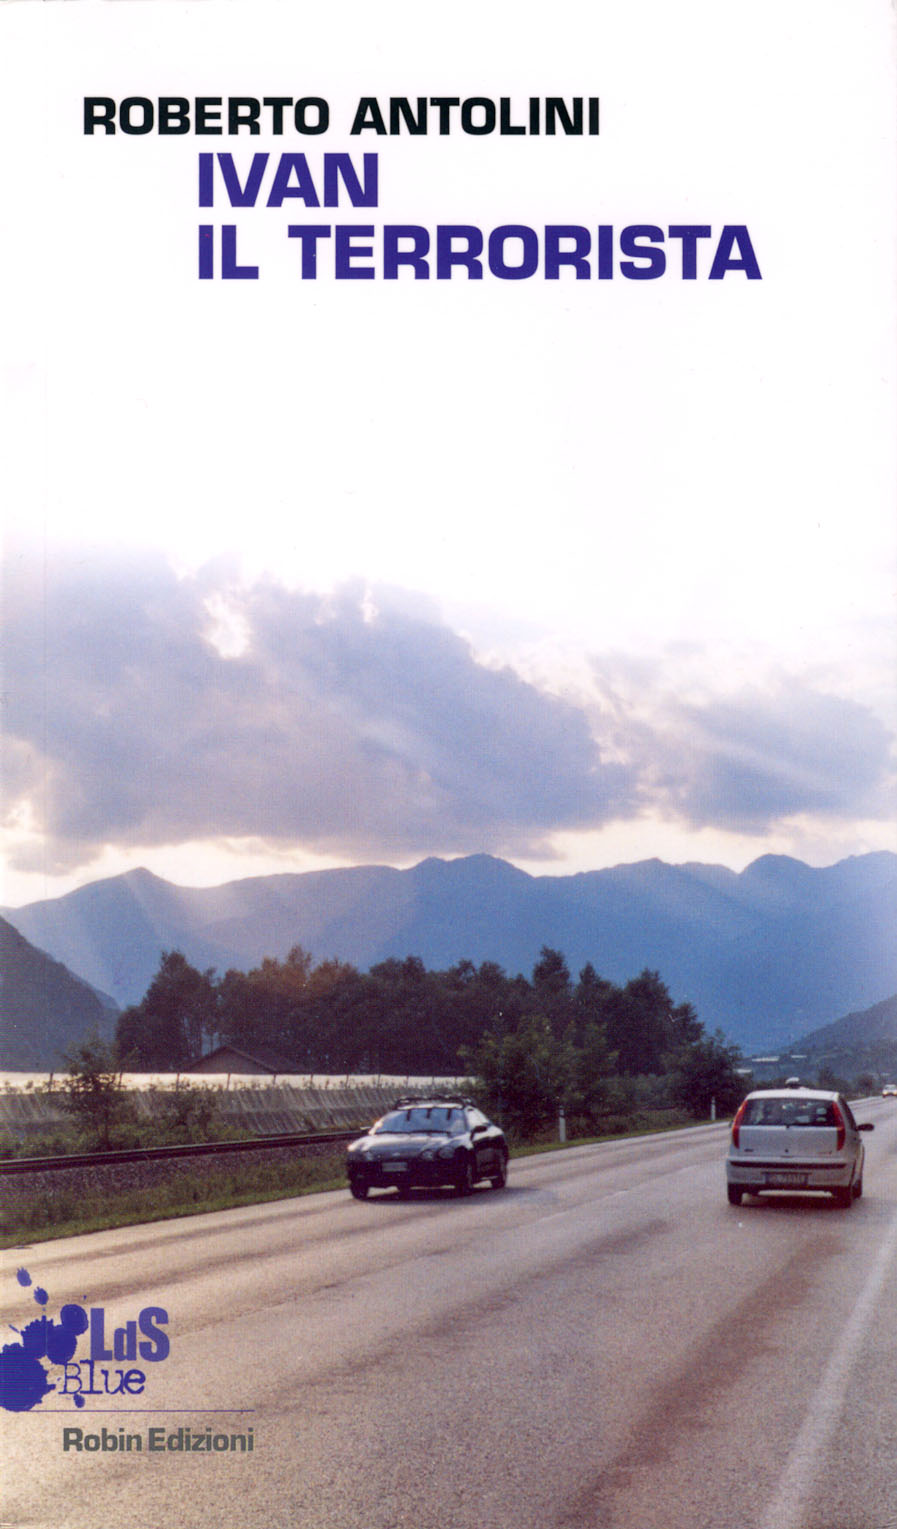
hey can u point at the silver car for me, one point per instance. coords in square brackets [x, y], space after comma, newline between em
[795, 1139]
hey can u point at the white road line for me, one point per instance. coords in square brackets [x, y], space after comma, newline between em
[802, 1469]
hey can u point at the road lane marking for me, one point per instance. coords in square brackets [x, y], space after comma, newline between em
[802, 1469]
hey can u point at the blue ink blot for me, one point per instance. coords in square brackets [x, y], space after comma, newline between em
[34, 1338]
[74, 1318]
[62, 1340]
[23, 1379]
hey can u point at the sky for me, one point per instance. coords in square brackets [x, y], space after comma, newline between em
[312, 573]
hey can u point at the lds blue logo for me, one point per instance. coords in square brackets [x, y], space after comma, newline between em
[46, 1342]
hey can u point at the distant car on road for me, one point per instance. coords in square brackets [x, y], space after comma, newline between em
[889, 1088]
[795, 1139]
[440, 1139]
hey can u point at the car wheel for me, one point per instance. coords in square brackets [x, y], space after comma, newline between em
[359, 1189]
[500, 1179]
[464, 1177]
[858, 1189]
[734, 1193]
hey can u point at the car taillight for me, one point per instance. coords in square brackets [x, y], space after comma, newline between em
[839, 1122]
[737, 1122]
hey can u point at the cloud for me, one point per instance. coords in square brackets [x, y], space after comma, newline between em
[145, 709]
[753, 757]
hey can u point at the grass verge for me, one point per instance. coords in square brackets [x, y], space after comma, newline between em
[72, 1206]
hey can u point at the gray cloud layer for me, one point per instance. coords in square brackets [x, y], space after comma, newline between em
[369, 733]
[751, 758]
[378, 735]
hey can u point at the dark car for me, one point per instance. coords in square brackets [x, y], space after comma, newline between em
[429, 1141]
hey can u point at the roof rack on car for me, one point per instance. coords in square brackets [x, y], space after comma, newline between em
[405, 1101]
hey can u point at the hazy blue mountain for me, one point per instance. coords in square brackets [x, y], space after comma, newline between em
[861, 1042]
[44, 1008]
[879, 1023]
[778, 949]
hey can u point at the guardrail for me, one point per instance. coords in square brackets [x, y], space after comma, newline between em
[13, 1165]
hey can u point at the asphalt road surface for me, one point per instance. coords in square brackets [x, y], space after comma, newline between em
[606, 1344]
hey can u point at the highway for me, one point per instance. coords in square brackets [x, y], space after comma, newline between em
[607, 1344]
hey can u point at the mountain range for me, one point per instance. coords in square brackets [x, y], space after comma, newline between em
[776, 950]
[863, 1042]
[44, 1008]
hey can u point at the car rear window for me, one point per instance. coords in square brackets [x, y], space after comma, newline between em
[789, 1111]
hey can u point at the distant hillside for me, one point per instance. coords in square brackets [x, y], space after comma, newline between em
[780, 948]
[862, 1042]
[43, 1007]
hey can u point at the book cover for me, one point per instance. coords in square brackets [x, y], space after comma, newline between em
[431, 434]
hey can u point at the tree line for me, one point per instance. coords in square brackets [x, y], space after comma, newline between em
[531, 1043]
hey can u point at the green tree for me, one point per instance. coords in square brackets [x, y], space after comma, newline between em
[593, 1067]
[591, 996]
[551, 973]
[93, 1094]
[524, 1075]
[166, 1029]
[641, 1026]
[185, 1114]
[552, 991]
[826, 1077]
[707, 1071]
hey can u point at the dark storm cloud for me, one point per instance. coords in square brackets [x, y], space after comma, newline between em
[337, 727]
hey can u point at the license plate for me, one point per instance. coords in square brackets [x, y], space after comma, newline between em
[395, 1167]
[786, 1180]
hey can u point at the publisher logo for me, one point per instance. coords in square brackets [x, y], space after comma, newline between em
[45, 1357]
